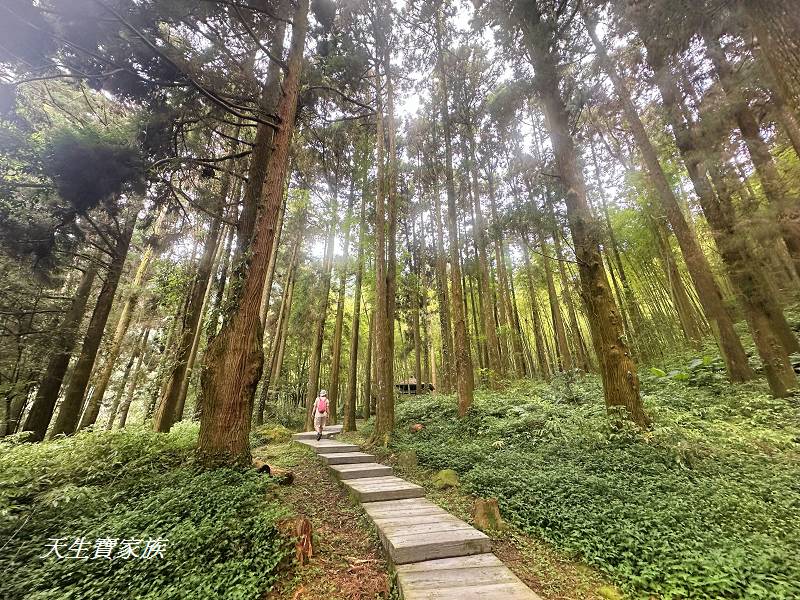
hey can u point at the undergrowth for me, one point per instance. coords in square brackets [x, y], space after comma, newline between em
[706, 505]
[221, 533]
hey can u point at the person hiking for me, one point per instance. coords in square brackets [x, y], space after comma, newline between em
[320, 412]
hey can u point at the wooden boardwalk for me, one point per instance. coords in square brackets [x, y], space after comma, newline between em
[436, 556]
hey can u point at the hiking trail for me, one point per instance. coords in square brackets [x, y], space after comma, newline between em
[435, 555]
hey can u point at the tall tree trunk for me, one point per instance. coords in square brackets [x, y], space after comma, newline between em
[525, 354]
[265, 143]
[559, 331]
[771, 332]
[67, 419]
[773, 338]
[137, 349]
[125, 318]
[273, 259]
[630, 297]
[464, 375]
[220, 284]
[134, 385]
[384, 421]
[368, 367]
[443, 296]
[538, 330]
[618, 370]
[680, 299]
[352, 369]
[278, 341]
[336, 359]
[506, 310]
[381, 356]
[166, 414]
[198, 334]
[46, 396]
[235, 357]
[489, 330]
[786, 203]
[707, 290]
[416, 302]
[277, 362]
[322, 312]
[566, 294]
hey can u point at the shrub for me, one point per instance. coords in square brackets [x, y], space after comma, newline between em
[222, 539]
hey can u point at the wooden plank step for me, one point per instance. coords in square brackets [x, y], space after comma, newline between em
[360, 470]
[480, 576]
[328, 446]
[375, 489]
[430, 541]
[343, 458]
[327, 432]
[418, 530]
[311, 435]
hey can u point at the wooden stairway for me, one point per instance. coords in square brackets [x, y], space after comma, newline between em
[436, 556]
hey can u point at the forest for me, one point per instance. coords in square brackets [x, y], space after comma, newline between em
[543, 254]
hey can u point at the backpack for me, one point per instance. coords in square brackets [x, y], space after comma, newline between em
[322, 405]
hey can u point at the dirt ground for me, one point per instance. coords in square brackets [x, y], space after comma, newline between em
[346, 563]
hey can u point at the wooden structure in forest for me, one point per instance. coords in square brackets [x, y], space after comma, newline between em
[410, 386]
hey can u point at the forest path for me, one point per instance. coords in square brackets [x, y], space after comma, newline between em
[435, 555]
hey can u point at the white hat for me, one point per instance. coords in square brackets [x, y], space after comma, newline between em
[323, 392]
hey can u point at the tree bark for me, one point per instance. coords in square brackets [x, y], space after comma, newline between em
[125, 318]
[68, 414]
[352, 368]
[464, 375]
[46, 396]
[265, 142]
[384, 418]
[137, 371]
[235, 357]
[336, 359]
[166, 414]
[381, 356]
[707, 289]
[618, 370]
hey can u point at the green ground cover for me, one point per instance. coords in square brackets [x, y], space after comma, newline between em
[220, 527]
[705, 505]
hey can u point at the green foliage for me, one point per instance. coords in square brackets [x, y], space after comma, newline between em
[703, 371]
[702, 506]
[270, 433]
[88, 168]
[446, 478]
[221, 533]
